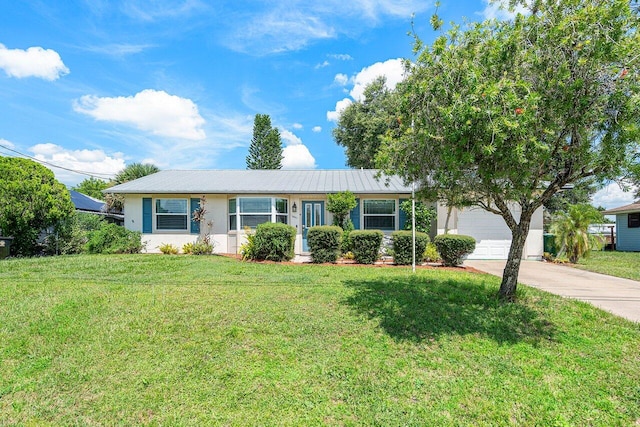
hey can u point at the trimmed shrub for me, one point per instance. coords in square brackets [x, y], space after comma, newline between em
[201, 248]
[365, 245]
[168, 249]
[274, 242]
[346, 241]
[453, 248]
[114, 239]
[403, 246]
[324, 243]
[431, 253]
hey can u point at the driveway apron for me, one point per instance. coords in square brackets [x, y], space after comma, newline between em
[613, 294]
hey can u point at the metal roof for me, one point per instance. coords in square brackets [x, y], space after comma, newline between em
[633, 207]
[263, 182]
[85, 203]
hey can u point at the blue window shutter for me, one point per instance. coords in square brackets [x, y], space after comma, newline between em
[147, 215]
[402, 216]
[195, 225]
[354, 215]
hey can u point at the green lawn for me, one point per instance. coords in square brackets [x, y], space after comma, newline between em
[619, 264]
[185, 340]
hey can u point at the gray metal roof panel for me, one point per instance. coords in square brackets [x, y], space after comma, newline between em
[263, 181]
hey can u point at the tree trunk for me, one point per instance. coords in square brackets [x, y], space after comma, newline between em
[512, 268]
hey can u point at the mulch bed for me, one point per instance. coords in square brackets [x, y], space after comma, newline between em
[379, 264]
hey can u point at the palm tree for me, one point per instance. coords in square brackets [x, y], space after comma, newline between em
[115, 202]
[571, 230]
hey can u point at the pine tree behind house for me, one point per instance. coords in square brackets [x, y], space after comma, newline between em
[265, 151]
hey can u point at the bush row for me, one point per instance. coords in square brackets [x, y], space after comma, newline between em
[325, 243]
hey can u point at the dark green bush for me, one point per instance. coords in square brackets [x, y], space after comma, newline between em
[114, 239]
[402, 246]
[365, 245]
[324, 243]
[274, 242]
[72, 234]
[453, 248]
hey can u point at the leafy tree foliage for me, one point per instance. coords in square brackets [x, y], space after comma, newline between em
[31, 200]
[115, 202]
[580, 194]
[362, 125]
[424, 215]
[571, 230]
[510, 112]
[92, 187]
[265, 151]
[339, 204]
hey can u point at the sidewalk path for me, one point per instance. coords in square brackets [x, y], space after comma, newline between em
[613, 294]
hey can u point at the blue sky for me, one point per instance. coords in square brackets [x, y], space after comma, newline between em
[93, 85]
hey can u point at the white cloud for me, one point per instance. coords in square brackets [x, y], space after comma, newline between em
[297, 126]
[95, 162]
[152, 111]
[334, 115]
[162, 9]
[341, 79]
[297, 157]
[295, 154]
[33, 62]
[613, 196]
[119, 49]
[283, 25]
[280, 31]
[322, 65]
[341, 56]
[499, 10]
[392, 70]
[6, 143]
[316, 129]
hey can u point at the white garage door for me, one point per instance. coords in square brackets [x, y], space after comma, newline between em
[493, 237]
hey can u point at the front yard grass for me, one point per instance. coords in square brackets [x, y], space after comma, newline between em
[185, 340]
[619, 264]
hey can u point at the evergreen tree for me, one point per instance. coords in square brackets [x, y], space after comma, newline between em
[265, 151]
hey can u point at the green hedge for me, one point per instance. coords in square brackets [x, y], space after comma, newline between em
[365, 245]
[453, 248]
[274, 242]
[324, 243]
[403, 245]
[114, 239]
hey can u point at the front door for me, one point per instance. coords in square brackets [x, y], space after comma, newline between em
[312, 214]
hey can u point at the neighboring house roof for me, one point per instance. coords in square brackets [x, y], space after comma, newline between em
[633, 207]
[361, 181]
[85, 203]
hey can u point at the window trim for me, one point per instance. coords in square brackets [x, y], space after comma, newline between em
[274, 215]
[394, 215]
[633, 220]
[156, 214]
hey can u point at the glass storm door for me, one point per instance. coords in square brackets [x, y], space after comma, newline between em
[312, 214]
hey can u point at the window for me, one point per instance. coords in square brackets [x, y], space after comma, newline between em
[379, 214]
[633, 220]
[252, 211]
[171, 214]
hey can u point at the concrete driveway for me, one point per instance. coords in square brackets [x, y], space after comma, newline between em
[613, 294]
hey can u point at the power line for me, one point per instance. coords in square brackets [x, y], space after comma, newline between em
[90, 174]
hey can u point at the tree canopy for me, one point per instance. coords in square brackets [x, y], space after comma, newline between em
[503, 114]
[132, 171]
[92, 187]
[265, 151]
[31, 200]
[363, 124]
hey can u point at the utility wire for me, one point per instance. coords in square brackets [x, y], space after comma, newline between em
[91, 174]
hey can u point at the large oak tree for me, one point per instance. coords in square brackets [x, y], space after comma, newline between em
[504, 114]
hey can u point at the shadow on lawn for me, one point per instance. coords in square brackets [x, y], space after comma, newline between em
[421, 308]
